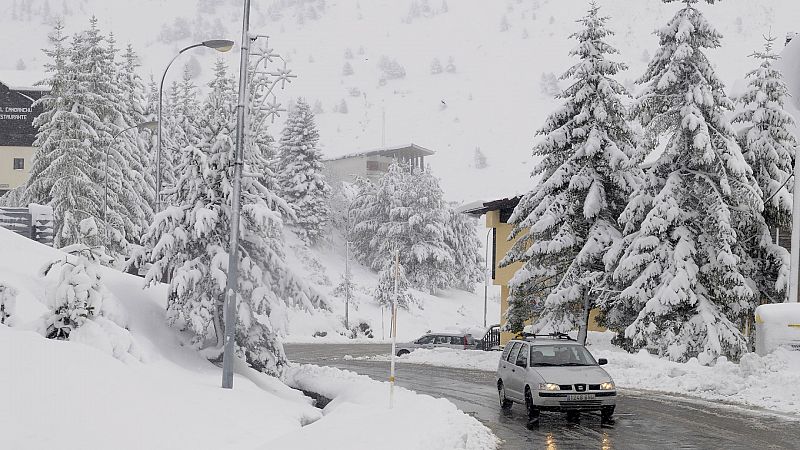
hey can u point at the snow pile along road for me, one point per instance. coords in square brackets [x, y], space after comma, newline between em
[415, 422]
[771, 382]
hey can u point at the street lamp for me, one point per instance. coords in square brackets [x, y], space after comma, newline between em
[220, 45]
[149, 125]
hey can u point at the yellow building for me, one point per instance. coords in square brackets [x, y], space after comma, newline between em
[497, 213]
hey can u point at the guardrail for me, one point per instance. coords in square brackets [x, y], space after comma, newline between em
[34, 222]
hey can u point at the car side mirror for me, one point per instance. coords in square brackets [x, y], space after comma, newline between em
[602, 362]
[521, 364]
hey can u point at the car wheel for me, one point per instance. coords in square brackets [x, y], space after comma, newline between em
[606, 413]
[403, 352]
[504, 402]
[533, 411]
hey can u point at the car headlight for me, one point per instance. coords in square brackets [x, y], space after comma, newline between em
[607, 386]
[548, 387]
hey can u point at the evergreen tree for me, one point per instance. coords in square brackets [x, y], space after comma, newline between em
[480, 159]
[465, 246]
[384, 292]
[50, 132]
[73, 137]
[768, 145]
[567, 222]
[137, 185]
[299, 174]
[681, 268]
[407, 210]
[80, 292]
[189, 242]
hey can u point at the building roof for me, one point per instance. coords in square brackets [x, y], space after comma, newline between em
[410, 150]
[494, 205]
[22, 80]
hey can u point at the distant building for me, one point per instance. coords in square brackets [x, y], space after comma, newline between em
[17, 134]
[372, 164]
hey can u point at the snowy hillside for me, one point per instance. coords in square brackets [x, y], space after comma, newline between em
[496, 94]
[146, 387]
[450, 310]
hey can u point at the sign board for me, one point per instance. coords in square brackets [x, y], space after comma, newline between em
[16, 117]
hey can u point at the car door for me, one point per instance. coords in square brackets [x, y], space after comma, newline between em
[519, 371]
[510, 371]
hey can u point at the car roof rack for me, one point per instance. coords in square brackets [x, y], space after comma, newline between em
[563, 336]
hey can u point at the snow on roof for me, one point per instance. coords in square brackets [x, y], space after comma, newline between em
[407, 150]
[779, 313]
[22, 80]
[484, 207]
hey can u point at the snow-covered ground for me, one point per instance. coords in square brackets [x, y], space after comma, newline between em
[362, 400]
[149, 389]
[771, 382]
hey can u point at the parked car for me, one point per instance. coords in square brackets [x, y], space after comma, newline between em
[554, 373]
[461, 341]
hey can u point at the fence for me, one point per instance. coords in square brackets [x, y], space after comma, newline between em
[34, 222]
[491, 341]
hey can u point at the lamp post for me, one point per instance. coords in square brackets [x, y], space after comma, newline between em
[220, 45]
[149, 125]
[264, 82]
[486, 278]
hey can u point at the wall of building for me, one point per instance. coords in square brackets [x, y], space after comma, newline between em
[9, 177]
[503, 275]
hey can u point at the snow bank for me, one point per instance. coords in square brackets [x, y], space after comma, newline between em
[416, 421]
[133, 388]
[448, 357]
[771, 382]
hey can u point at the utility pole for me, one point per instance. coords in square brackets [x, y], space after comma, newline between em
[394, 326]
[233, 251]
[347, 286]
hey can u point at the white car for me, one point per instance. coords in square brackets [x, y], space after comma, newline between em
[554, 373]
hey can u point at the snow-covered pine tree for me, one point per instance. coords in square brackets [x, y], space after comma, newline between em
[72, 138]
[384, 292]
[407, 210]
[299, 174]
[679, 269]
[137, 180]
[51, 130]
[190, 244]
[567, 222]
[80, 292]
[768, 145]
[258, 142]
[479, 159]
[465, 246]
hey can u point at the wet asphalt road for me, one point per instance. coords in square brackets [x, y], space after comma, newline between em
[643, 420]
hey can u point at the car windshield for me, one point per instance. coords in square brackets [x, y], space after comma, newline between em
[561, 355]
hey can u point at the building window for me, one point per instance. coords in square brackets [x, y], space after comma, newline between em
[19, 163]
[373, 165]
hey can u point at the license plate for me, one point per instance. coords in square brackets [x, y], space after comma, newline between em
[578, 397]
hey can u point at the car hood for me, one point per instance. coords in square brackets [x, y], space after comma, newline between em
[573, 374]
